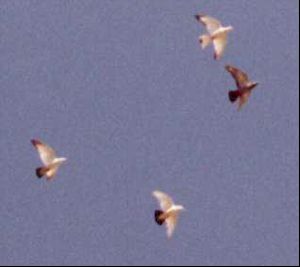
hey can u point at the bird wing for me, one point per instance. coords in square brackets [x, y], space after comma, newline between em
[47, 154]
[164, 200]
[171, 223]
[220, 43]
[210, 23]
[239, 76]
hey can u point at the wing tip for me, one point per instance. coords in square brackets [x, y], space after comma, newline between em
[199, 15]
[169, 235]
[157, 194]
[36, 142]
[217, 56]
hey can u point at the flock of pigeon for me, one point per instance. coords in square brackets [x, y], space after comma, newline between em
[168, 212]
[217, 34]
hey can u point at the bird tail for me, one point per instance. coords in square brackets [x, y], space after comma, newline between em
[233, 95]
[157, 216]
[41, 171]
[204, 40]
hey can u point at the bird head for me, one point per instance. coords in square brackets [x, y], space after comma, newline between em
[229, 28]
[180, 208]
[253, 84]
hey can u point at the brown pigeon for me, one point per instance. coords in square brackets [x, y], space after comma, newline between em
[244, 86]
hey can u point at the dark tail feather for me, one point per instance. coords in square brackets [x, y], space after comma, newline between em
[233, 95]
[158, 220]
[40, 172]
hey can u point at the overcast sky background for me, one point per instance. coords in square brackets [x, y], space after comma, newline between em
[123, 90]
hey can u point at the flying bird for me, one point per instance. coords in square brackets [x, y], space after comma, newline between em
[244, 86]
[168, 213]
[49, 159]
[217, 34]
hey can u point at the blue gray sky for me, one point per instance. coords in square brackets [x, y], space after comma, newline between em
[123, 90]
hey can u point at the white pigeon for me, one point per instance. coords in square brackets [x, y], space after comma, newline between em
[217, 34]
[49, 159]
[169, 212]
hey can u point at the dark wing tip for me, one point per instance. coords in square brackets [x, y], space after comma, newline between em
[36, 142]
[217, 56]
[199, 16]
[228, 67]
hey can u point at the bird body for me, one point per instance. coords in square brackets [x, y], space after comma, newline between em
[222, 30]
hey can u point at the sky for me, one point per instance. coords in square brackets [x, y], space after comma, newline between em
[124, 91]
